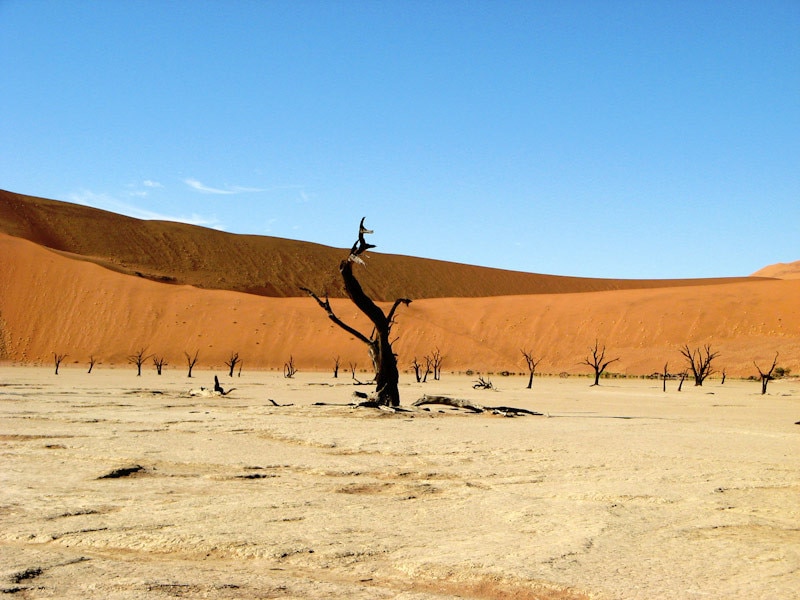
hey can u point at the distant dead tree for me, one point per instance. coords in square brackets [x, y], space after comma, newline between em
[532, 364]
[417, 369]
[436, 359]
[353, 367]
[664, 377]
[57, 358]
[138, 360]
[160, 362]
[232, 362]
[597, 361]
[699, 362]
[336, 361]
[92, 361]
[191, 360]
[289, 369]
[724, 374]
[419, 375]
[683, 375]
[766, 376]
[483, 384]
[379, 345]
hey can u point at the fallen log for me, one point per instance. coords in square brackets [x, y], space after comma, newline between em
[276, 404]
[447, 401]
[508, 411]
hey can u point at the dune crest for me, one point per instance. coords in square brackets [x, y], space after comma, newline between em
[176, 253]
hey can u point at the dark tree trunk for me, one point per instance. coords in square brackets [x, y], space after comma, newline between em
[387, 376]
[416, 367]
[766, 376]
[384, 360]
[532, 364]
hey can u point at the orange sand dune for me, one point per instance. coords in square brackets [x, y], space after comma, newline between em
[185, 254]
[52, 303]
[780, 271]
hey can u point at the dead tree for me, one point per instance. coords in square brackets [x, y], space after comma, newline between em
[353, 367]
[336, 361]
[138, 360]
[699, 362]
[417, 368]
[232, 362]
[664, 377]
[436, 364]
[428, 368]
[598, 361]
[159, 362]
[289, 369]
[379, 345]
[532, 363]
[57, 358]
[683, 374]
[483, 384]
[191, 361]
[766, 376]
[92, 362]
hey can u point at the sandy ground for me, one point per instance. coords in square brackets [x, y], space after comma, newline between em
[117, 486]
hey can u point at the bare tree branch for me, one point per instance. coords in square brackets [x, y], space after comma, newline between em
[326, 306]
[699, 362]
[596, 361]
[766, 376]
[532, 364]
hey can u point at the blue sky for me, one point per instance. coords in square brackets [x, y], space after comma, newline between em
[636, 139]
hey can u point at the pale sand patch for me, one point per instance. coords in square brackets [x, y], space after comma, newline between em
[623, 492]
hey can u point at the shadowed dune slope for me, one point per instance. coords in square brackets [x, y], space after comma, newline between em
[184, 254]
[52, 303]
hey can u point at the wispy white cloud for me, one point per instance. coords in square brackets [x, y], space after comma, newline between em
[136, 191]
[109, 203]
[205, 189]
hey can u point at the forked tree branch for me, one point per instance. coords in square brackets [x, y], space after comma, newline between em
[326, 306]
[398, 302]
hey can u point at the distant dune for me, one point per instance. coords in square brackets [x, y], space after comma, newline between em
[184, 254]
[780, 271]
[63, 301]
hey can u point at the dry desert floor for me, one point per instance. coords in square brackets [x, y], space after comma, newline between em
[118, 486]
